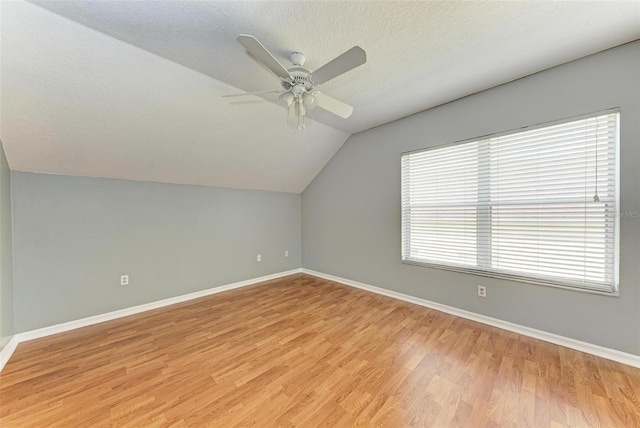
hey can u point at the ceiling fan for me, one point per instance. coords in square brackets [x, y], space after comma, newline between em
[299, 84]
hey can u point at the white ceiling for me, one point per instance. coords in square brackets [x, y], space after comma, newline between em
[75, 101]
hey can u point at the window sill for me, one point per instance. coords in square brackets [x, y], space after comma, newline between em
[507, 277]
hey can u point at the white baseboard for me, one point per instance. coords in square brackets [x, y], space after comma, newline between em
[589, 348]
[8, 349]
[72, 325]
[600, 351]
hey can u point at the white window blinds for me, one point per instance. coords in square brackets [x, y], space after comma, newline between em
[538, 205]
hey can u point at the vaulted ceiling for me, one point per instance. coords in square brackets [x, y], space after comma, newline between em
[133, 89]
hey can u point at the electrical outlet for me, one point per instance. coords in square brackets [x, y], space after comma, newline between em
[259, 258]
[482, 291]
[124, 280]
[286, 253]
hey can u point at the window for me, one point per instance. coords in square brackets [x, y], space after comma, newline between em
[538, 205]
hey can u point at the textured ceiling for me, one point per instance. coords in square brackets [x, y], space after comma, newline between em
[76, 101]
[420, 54]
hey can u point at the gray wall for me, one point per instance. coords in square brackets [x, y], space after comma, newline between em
[75, 236]
[6, 249]
[351, 211]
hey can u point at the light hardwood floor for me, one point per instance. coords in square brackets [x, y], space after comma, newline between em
[302, 351]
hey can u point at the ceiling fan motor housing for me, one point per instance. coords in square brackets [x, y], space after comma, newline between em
[300, 77]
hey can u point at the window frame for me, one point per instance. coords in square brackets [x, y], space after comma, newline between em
[615, 291]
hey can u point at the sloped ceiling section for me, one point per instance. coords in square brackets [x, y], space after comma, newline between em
[420, 53]
[78, 102]
[132, 89]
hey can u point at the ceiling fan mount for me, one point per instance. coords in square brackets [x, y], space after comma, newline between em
[299, 83]
[298, 59]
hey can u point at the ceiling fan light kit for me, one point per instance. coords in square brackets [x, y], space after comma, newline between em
[299, 84]
[287, 98]
[309, 100]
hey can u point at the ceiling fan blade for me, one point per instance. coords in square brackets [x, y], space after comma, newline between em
[349, 60]
[256, 48]
[334, 106]
[253, 93]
